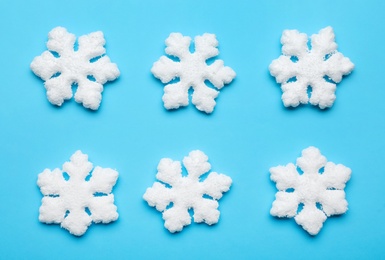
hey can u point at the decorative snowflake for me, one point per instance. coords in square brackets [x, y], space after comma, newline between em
[320, 193]
[187, 192]
[192, 71]
[62, 66]
[76, 202]
[320, 67]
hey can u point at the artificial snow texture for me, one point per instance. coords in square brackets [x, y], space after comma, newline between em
[186, 192]
[320, 67]
[321, 193]
[76, 202]
[88, 67]
[192, 71]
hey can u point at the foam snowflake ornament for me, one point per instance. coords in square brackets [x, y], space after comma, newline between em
[82, 199]
[192, 71]
[321, 194]
[320, 67]
[186, 192]
[88, 67]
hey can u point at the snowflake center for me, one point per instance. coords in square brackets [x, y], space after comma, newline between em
[76, 194]
[189, 190]
[195, 67]
[74, 65]
[310, 188]
[310, 67]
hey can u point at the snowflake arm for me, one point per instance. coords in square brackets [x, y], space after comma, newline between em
[58, 89]
[311, 219]
[281, 69]
[52, 210]
[78, 167]
[92, 45]
[104, 70]
[206, 45]
[206, 211]
[196, 164]
[294, 43]
[192, 71]
[176, 218]
[169, 171]
[75, 67]
[216, 184]
[175, 95]
[103, 180]
[178, 45]
[285, 204]
[219, 74]
[51, 182]
[158, 196]
[322, 195]
[103, 209]
[186, 192]
[323, 94]
[335, 176]
[204, 98]
[89, 94]
[300, 67]
[324, 43]
[60, 41]
[311, 160]
[337, 66]
[66, 202]
[295, 93]
[285, 177]
[333, 202]
[77, 222]
[165, 69]
[45, 65]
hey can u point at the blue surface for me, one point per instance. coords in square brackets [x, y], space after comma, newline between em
[249, 131]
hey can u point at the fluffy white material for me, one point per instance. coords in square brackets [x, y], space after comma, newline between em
[321, 194]
[81, 67]
[67, 201]
[320, 68]
[187, 192]
[192, 71]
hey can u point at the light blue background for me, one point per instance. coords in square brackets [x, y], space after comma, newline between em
[249, 131]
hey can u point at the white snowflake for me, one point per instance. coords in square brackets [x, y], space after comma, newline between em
[187, 192]
[76, 202]
[320, 67]
[62, 66]
[321, 193]
[192, 70]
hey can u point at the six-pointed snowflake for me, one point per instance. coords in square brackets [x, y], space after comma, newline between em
[320, 67]
[321, 194]
[187, 192]
[76, 202]
[62, 66]
[192, 71]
